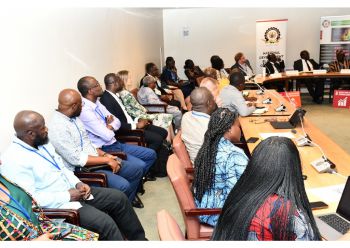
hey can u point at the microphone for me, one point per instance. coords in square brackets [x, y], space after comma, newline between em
[261, 91]
[323, 164]
[305, 139]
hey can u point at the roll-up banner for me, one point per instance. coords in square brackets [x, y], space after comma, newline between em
[271, 37]
[334, 34]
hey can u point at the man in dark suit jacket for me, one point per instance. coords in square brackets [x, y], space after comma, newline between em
[314, 86]
[154, 136]
[274, 65]
[243, 65]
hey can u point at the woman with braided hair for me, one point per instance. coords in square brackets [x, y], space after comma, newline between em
[219, 163]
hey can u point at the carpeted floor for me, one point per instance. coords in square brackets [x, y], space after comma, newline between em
[160, 195]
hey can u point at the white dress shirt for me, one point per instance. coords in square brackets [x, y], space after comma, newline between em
[47, 184]
[121, 104]
[305, 65]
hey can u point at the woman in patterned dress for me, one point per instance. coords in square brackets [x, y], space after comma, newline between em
[219, 163]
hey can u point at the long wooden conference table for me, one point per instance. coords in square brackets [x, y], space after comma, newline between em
[253, 126]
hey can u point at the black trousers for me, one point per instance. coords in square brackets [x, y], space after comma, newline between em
[111, 215]
[314, 86]
[155, 136]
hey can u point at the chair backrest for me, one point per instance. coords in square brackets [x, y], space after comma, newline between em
[168, 229]
[181, 185]
[181, 152]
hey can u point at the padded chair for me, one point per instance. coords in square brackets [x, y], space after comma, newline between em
[181, 152]
[168, 229]
[136, 90]
[180, 182]
[136, 136]
[69, 215]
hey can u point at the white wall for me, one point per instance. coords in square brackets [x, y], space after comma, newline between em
[224, 32]
[43, 51]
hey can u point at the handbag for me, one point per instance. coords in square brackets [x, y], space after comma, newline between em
[95, 168]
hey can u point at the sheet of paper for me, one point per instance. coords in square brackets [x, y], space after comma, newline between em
[328, 194]
[260, 111]
[284, 134]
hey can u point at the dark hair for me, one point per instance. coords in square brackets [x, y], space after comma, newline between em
[149, 66]
[188, 64]
[274, 168]
[110, 78]
[220, 122]
[168, 60]
[304, 51]
[270, 55]
[83, 85]
[216, 62]
[238, 56]
[236, 78]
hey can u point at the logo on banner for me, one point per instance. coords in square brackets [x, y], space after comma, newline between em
[341, 99]
[272, 35]
[326, 23]
[293, 97]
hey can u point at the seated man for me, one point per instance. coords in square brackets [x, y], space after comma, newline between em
[146, 95]
[243, 65]
[340, 63]
[69, 137]
[101, 125]
[154, 136]
[232, 97]
[31, 162]
[163, 90]
[194, 124]
[274, 65]
[307, 64]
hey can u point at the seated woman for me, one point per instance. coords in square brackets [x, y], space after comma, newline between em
[221, 75]
[18, 221]
[169, 77]
[146, 95]
[136, 110]
[269, 201]
[193, 72]
[219, 163]
[213, 86]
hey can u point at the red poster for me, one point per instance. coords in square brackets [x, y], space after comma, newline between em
[293, 97]
[341, 99]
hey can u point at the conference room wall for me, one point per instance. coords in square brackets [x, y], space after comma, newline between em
[46, 50]
[225, 32]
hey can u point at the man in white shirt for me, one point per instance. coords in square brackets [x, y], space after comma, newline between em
[194, 124]
[31, 162]
[232, 97]
[314, 86]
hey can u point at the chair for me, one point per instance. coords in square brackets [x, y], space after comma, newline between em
[180, 182]
[69, 215]
[93, 178]
[181, 152]
[136, 136]
[136, 90]
[168, 229]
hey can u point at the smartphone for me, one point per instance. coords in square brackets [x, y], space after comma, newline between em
[252, 140]
[64, 232]
[318, 205]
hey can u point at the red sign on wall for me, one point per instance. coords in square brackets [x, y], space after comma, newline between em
[293, 97]
[341, 99]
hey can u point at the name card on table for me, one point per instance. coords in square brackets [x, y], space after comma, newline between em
[275, 75]
[341, 99]
[292, 73]
[319, 71]
[345, 71]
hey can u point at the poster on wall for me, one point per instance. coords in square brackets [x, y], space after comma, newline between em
[341, 99]
[271, 37]
[334, 34]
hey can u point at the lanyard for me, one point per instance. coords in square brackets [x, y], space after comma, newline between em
[98, 111]
[19, 206]
[81, 138]
[200, 115]
[54, 163]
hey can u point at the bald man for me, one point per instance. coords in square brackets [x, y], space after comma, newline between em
[194, 123]
[70, 139]
[31, 162]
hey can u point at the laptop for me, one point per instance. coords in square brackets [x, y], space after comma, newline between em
[293, 121]
[333, 226]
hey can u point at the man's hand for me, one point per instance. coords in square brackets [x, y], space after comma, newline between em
[76, 195]
[114, 164]
[250, 104]
[251, 99]
[142, 123]
[109, 119]
[84, 189]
